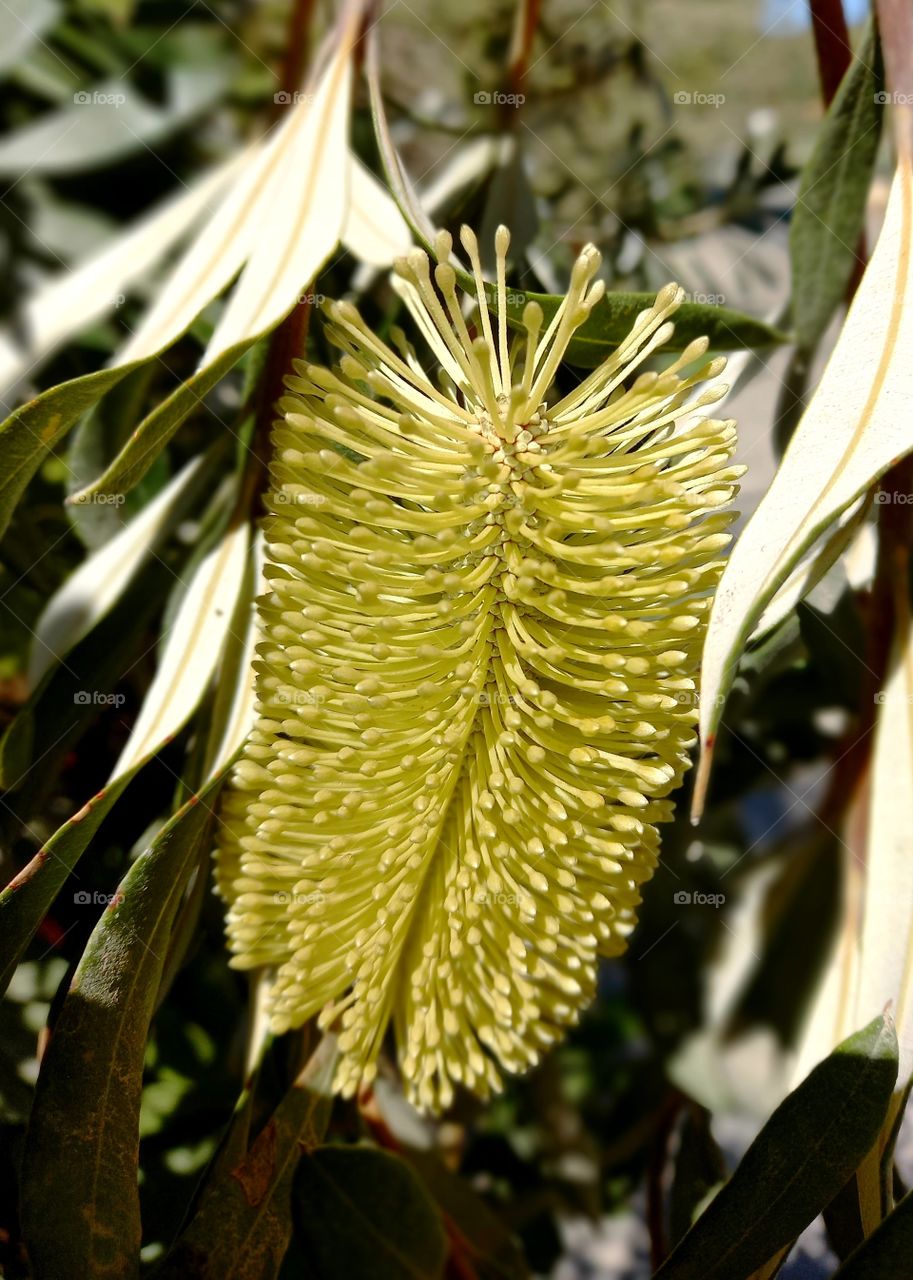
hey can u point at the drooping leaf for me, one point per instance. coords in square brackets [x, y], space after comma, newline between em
[797, 1164]
[830, 209]
[192, 647]
[854, 429]
[109, 121]
[80, 1204]
[363, 1214]
[886, 1254]
[613, 316]
[71, 301]
[303, 204]
[476, 1232]
[90, 591]
[242, 1223]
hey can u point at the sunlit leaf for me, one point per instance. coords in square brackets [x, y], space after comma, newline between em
[796, 1165]
[80, 1204]
[830, 209]
[854, 429]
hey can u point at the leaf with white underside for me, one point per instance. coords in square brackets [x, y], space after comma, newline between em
[72, 300]
[191, 648]
[303, 202]
[89, 592]
[374, 229]
[856, 426]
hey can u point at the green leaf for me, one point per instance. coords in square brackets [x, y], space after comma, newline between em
[886, 1254]
[32, 430]
[363, 1214]
[797, 1164]
[29, 896]
[830, 210]
[157, 428]
[476, 1231]
[74, 690]
[611, 319]
[80, 1204]
[243, 1224]
[107, 121]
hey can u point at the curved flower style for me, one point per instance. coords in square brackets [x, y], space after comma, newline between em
[476, 675]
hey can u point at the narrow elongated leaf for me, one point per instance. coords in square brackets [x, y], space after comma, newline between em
[192, 648]
[374, 229]
[89, 592]
[74, 690]
[80, 1204]
[31, 431]
[830, 210]
[855, 428]
[243, 1224]
[158, 427]
[28, 897]
[108, 121]
[613, 316]
[797, 1164]
[363, 1214]
[74, 299]
[480, 1236]
[304, 205]
[886, 1254]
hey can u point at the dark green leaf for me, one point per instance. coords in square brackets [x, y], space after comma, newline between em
[363, 1214]
[27, 899]
[887, 1253]
[80, 1205]
[477, 1232]
[157, 428]
[32, 430]
[797, 1164]
[611, 320]
[830, 210]
[243, 1223]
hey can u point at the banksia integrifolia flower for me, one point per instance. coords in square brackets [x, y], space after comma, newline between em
[476, 675]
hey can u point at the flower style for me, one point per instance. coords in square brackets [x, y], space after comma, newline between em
[476, 676]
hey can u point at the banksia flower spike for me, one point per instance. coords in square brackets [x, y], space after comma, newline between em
[476, 673]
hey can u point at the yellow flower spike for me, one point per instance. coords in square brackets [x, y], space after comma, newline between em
[476, 673]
